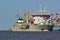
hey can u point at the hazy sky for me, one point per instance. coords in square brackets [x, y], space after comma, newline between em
[8, 9]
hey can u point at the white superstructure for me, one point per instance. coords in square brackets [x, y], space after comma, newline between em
[41, 19]
[38, 20]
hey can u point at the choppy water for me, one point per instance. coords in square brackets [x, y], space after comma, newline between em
[8, 35]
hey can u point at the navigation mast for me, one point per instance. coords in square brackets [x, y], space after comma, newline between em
[17, 14]
[41, 9]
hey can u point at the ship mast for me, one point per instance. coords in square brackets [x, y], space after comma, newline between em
[17, 14]
[42, 9]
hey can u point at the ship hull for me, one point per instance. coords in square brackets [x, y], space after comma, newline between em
[41, 27]
[33, 27]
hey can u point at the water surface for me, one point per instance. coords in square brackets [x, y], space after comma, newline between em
[8, 35]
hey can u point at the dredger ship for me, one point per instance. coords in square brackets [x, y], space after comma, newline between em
[39, 22]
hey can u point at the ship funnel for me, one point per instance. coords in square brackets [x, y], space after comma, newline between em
[26, 16]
